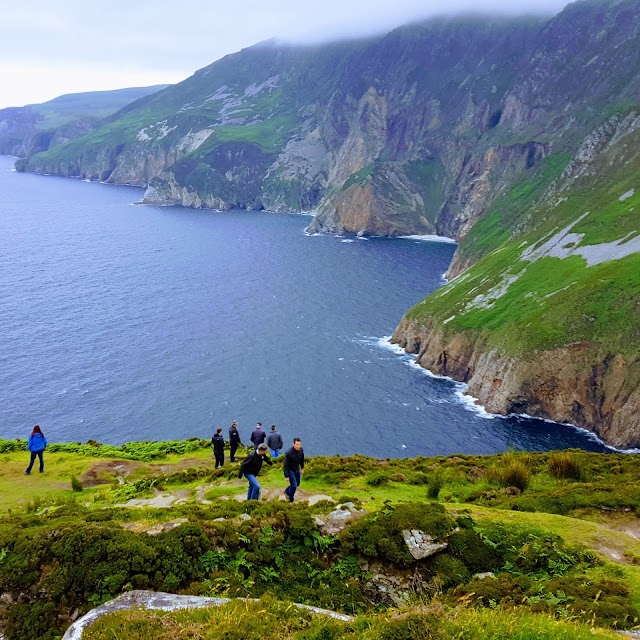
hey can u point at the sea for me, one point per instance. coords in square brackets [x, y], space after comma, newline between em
[121, 321]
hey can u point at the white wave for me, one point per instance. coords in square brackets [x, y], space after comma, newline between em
[309, 214]
[472, 404]
[347, 240]
[589, 434]
[430, 238]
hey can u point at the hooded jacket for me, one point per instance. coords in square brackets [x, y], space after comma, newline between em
[218, 443]
[36, 442]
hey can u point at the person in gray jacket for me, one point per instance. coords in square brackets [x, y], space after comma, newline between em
[274, 442]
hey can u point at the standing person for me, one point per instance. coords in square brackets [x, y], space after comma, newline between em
[274, 442]
[293, 467]
[218, 448]
[234, 440]
[250, 468]
[258, 436]
[36, 446]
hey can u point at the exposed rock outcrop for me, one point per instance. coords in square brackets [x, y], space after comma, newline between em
[166, 602]
[416, 131]
[577, 384]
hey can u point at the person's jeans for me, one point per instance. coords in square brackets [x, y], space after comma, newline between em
[219, 456]
[233, 447]
[294, 483]
[253, 493]
[40, 455]
[274, 452]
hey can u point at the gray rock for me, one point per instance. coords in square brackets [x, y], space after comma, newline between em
[420, 544]
[486, 574]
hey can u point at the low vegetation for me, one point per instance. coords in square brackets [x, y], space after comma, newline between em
[548, 557]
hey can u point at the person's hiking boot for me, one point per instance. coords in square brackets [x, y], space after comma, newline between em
[27, 473]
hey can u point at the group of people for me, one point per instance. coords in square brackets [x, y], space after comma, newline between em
[252, 464]
[249, 468]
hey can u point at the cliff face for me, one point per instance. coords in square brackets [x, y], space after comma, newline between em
[417, 131]
[578, 384]
[547, 323]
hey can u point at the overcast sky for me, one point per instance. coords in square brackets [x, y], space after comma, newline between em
[51, 48]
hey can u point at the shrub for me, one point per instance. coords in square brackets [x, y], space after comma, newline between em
[512, 473]
[377, 479]
[564, 465]
[76, 485]
[435, 483]
[380, 534]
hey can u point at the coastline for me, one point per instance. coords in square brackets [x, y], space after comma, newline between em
[474, 405]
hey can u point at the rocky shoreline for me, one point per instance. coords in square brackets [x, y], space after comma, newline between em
[577, 384]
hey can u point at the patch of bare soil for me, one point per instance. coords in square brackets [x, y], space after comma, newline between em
[106, 471]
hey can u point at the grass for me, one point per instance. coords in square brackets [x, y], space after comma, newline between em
[524, 307]
[594, 513]
[269, 619]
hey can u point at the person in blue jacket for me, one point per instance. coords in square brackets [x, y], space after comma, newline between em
[36, 446]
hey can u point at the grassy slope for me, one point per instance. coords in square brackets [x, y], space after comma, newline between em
[187, 108]
[95, 105]
[599, 304]
[594, 511]
[270, 619]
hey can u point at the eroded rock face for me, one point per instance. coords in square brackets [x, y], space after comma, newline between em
[577, 384]
[416, 131]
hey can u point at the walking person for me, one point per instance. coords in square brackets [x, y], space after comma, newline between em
[274, 442]
[294, 467]
[250, 468]
[258, 436]
[36, 446]
[234, 440]
[218, 448]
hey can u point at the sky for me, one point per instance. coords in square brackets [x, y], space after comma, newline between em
[50, 48]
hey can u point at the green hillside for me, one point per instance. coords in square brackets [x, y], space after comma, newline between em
[537, 545]
[38, 127]
[92, 104]
[523, 298]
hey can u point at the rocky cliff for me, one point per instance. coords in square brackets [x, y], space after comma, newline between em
[417, 131]
[548, 322]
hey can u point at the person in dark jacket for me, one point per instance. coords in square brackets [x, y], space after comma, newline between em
[36, 446]
[218, 448]
[293, 467]
[274, 442]
[234, 440]
[250, 468]
[258, 436]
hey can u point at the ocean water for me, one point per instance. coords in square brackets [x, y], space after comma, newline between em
[121, 322]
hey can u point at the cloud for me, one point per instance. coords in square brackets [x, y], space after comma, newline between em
[171, 40]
